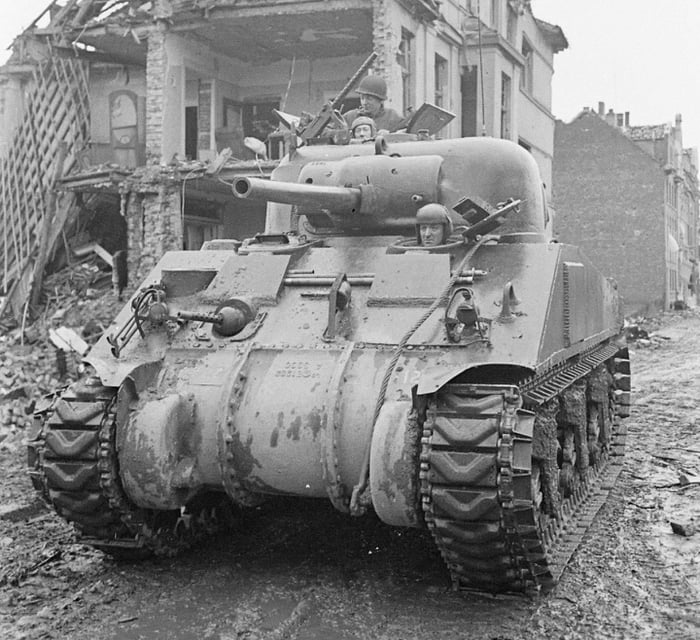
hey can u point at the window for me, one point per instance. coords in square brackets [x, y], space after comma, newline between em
[258, 119]
[495, 14]
[512, 25]
[505, 106]
[231, 113]
[440, 81]
[526, 75]
[673, 280]
[406, 61]
[191, 132]
[123, 124]
[259, 122]
[672, 193]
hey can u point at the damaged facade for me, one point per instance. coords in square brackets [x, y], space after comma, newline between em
[160, 90]
[636, 212]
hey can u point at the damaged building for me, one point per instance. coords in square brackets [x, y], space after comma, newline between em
[636, 212]
[125, 121]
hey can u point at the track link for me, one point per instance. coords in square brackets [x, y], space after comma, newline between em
[480, 482]
[73, 464]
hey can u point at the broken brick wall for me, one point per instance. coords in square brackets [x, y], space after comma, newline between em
[154, 223]
[156, 64]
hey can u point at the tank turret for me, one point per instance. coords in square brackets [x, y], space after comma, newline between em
[377, 194]
[394, 179]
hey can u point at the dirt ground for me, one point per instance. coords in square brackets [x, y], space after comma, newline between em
[314, 574]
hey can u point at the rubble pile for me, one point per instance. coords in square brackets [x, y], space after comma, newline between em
[643, 332]
[78, 297]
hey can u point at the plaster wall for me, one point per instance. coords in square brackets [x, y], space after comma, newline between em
[104, 80]
[300, 85]
[427, 42]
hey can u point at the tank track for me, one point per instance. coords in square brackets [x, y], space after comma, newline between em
[73, 464]
[480, 490]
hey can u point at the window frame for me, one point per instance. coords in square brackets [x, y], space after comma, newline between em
[506, 106]
[527, 74]
[441, 72]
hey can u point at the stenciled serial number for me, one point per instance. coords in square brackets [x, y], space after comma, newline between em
[291, 369]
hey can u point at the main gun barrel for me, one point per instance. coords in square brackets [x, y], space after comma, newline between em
[308, 196]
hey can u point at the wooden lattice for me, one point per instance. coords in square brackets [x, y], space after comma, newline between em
[57, 112]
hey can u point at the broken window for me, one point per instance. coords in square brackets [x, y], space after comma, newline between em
[406, 62]
[505, 106]
[440, 81]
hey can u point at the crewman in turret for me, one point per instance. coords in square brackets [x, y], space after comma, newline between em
[372, 90]
[433, 225]
[363, 128]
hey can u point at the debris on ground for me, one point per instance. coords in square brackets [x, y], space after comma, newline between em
[685, 529]
[284, 574]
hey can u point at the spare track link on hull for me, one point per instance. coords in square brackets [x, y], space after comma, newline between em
[73, 463]
[477, 487]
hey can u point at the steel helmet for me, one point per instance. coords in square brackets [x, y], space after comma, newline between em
[363, 120]
[434, 213]
[373, 86]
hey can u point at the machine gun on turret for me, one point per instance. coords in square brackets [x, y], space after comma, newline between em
[329, 112]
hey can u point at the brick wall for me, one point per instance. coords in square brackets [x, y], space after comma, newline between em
[609, 200]
[154, 227]
[204, 115]
[382, 33]
[155, 76]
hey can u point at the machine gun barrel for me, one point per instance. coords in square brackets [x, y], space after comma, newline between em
[327, 114]
[313, 197]
[350, 84]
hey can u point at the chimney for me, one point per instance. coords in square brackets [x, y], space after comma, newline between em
[601, 108]
[627, 118]
[678, 119]
[610, 117]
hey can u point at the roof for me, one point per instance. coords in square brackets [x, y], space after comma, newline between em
[553, 34]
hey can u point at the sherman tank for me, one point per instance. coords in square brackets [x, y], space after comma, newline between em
[474, 387]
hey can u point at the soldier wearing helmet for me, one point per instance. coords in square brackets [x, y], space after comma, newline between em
[433, 225]
[372, 90]
[363, 128]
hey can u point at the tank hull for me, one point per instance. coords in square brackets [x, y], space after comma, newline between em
[475, 389]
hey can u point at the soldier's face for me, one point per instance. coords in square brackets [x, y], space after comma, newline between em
[370, 104]
[363, 132]
[431, 235]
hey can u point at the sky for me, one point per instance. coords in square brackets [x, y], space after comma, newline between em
[639, 56]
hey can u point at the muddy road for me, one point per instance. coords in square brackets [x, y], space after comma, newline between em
[314, 574]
